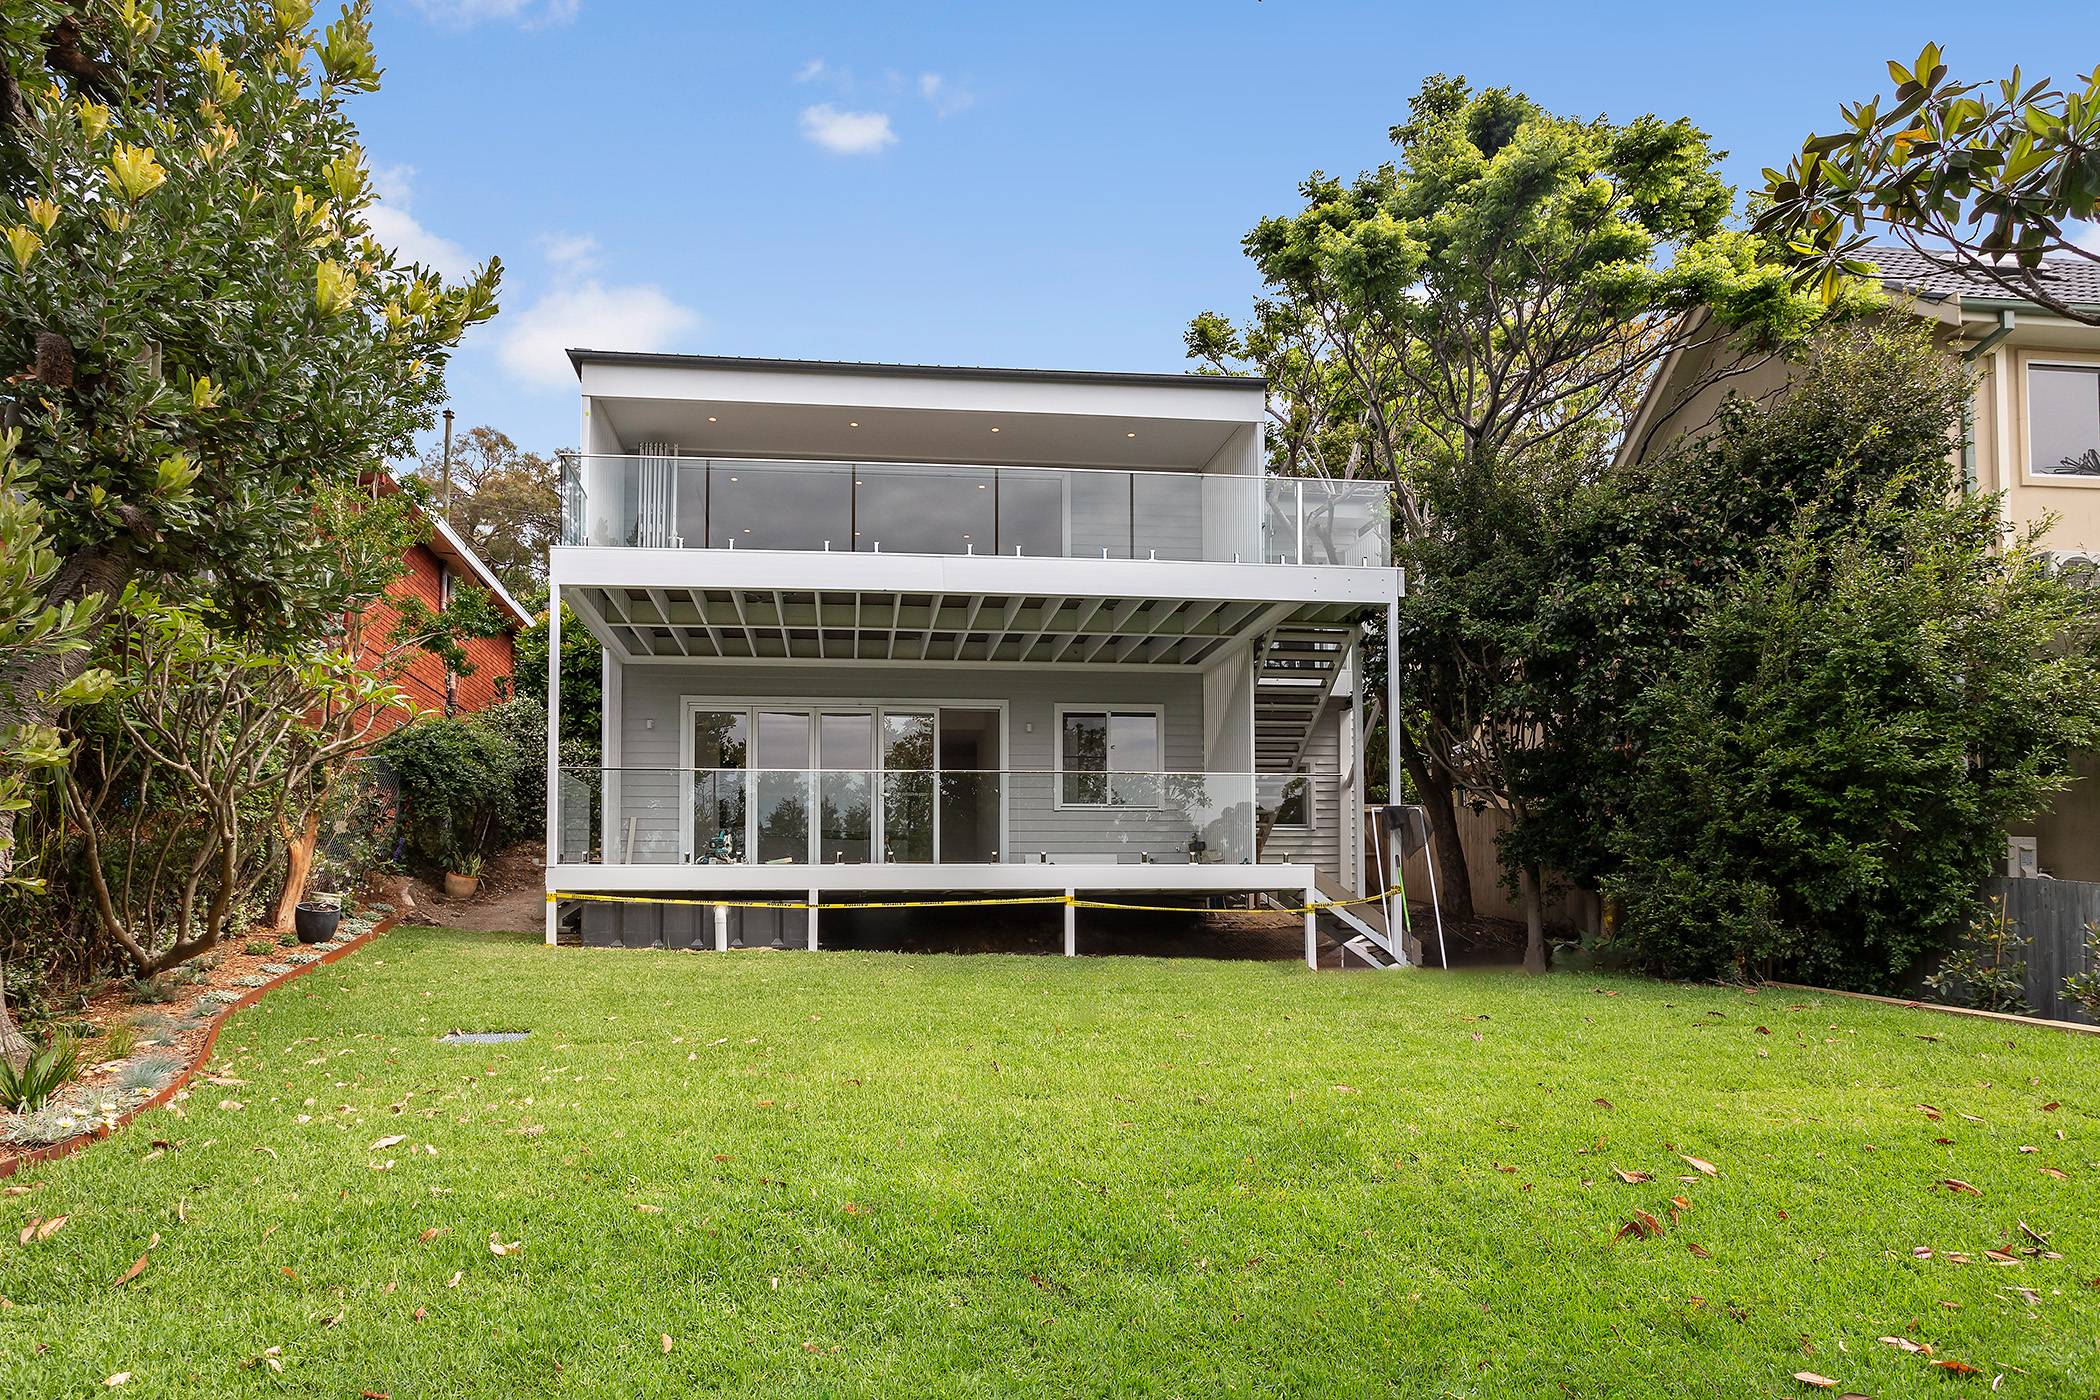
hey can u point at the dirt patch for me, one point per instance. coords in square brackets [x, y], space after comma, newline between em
[512, 897]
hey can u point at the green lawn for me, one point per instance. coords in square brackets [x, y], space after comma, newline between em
[862, 1173]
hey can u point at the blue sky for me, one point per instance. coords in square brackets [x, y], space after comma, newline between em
[993, 183]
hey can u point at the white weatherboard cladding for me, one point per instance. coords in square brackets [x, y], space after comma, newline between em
[650, 756]
[1319, 842]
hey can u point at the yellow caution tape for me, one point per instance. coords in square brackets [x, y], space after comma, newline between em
[1038, 899]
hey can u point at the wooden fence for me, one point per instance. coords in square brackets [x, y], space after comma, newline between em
[2054, 914]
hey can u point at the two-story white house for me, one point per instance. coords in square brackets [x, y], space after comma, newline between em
[877, 633]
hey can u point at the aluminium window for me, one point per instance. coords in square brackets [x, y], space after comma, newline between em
[2063, 420]
[1108, 757]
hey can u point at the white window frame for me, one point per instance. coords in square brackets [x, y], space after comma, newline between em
[2028, 475]
[1057, 753]
[750, 705]
[1305, 773]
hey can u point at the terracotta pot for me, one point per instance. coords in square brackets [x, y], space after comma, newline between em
[461, 886]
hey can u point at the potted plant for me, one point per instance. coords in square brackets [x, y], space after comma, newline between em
[315, 917]
[463, 876]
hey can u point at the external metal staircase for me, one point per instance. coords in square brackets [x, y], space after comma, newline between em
[1295, 669]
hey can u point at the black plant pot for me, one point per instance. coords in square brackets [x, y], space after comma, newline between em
[315, 923]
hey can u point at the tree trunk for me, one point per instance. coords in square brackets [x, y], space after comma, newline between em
[1454, 879]
[1534, 920]
[14, 1046]
[28, 683]
[298, 865]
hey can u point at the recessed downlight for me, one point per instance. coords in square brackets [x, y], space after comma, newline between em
[1130, 435]
[711, 418]
[853, 425]
[995, 430]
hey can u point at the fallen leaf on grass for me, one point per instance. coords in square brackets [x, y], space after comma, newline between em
[1698, 1251]
[1642, 1226]
[2051, 1106]
[453, 1282]
[432, 1233]
[1960, 1187]
[1631, 1178]
[1959, 1368]
[1906, 1344]
[419, 1314]
[120, 1378]
[659, 1210]
[384, 1143]
[1601, 1103]
[1819, 1382]
[667, 1343]
[1703, 1168]
[498, 1248]
[2054, 1173]
[46, 1229]
[138, 1266]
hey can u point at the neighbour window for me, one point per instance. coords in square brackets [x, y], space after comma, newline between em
[1109, 758]
[2063, 420]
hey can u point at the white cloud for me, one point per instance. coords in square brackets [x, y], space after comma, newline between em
[570, 252]
[2090, 239]
[528, 14]
[812, 70]
[847, 133]
[392, 224]
[588, 315]
[944, 97]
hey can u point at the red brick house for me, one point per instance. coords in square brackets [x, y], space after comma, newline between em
[435, 567]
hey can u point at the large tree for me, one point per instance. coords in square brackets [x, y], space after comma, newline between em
[1475, 320]
[1980, 179]
[505, 502]
[199, 331]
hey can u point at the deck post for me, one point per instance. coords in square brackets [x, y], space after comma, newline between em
[1312, 935]
[553, 852]
[813, 921]
[1071, 924]
[721, 928]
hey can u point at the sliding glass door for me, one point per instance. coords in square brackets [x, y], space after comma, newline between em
[898, 785]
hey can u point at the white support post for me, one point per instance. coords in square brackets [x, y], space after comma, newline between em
[721, 928]
[813, 921]
[553, 853]
[1071, 924]
[1312, 933]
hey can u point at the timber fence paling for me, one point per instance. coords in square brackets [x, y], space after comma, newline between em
[2054, 914]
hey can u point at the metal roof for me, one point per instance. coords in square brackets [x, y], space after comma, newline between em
[578, 357]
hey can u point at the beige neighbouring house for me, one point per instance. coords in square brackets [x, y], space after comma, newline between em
[2034, 437]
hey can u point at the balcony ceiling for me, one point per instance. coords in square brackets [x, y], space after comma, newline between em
[791, 625]
[826, 432]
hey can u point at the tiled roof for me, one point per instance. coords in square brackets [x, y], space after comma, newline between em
[2072, 280]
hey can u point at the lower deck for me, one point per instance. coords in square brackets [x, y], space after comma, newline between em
[720, 906]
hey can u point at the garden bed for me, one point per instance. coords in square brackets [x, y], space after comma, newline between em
[169, 1040]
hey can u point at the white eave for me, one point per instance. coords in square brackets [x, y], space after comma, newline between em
[446, 543]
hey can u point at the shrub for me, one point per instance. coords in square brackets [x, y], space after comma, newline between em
[148, 990]
[159, 1027]
[2084, 987]
[119, 1040]
[40, 1077]
[468, 783]
[147, 1074]
[1987, 969]
[258, 947]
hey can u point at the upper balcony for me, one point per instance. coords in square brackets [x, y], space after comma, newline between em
[666, 501]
